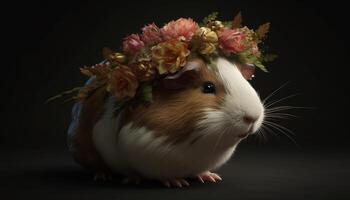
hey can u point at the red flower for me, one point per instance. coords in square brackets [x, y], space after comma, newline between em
[232, 41]
[132, 44]
[181, 29]
[151, 34]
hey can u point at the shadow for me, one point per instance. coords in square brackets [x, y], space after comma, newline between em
[73, 176]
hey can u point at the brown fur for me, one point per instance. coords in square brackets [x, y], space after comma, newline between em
[174, 113]
[86, 153]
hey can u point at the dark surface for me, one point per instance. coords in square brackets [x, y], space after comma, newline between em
[258, 173]
[46, 42]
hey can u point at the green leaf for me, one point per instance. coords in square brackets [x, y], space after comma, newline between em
[260, 66]
[210, 17]
[247, 57]
[269, 57]
[213, 63]
[63, 94]
[227, 24]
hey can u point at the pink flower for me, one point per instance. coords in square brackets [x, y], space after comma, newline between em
[232, 41]
[132, 44]
[181, 29]
[151, 34]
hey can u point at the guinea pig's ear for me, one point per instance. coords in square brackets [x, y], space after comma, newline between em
[247, 70]
[186, 77]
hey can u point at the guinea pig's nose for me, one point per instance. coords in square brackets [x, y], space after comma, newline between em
[249, 119]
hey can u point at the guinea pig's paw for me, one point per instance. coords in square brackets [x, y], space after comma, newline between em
[179, 182]
[102, 176]
[209, 177]
[131, 180]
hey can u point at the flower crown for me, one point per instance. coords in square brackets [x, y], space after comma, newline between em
[158, 52]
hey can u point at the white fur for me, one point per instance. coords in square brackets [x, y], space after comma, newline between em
[136, 150]
[105, 138]
[240, 100]
[155, 159]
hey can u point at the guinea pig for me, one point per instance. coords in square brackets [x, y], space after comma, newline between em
[196, 120]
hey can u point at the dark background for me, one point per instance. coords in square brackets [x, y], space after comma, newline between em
[45, 43]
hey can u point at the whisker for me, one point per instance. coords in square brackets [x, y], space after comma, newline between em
[218, 141]
[274, 92]
[280, 126]
[268, 105]
[282, 108]
[260, 135]
[269, 130]
[264, 134]
[284, 133]
[280, 116]
[273, 112]
[260, 138]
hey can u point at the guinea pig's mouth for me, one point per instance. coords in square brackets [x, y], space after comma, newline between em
[246, 134]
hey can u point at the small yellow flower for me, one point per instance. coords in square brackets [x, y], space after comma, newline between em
[207, 35]
[207, 48]
[215, 25]
[144, 70]
[118, 57]
[208, 40]
[170, 56]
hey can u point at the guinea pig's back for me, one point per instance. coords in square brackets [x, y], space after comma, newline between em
[85, 114]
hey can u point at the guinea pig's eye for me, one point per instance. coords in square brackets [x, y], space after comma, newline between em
[208, 87]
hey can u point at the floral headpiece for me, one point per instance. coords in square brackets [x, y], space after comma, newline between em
[158, 52]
